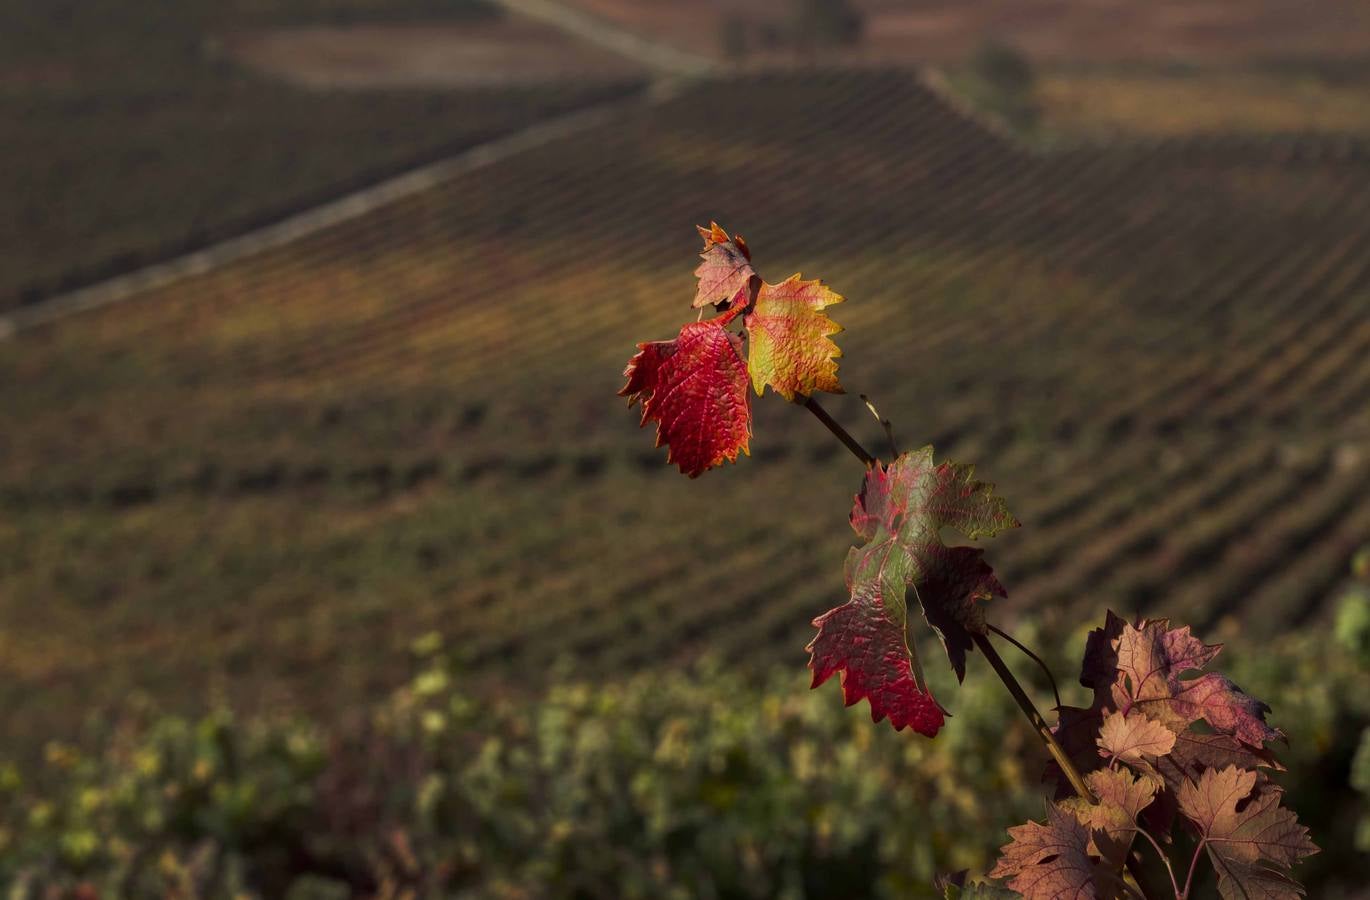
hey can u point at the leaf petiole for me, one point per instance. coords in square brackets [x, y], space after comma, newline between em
[1165, 859]
[1033, 656]
[1193, 864]
[884, 423]
[1039, 724]
[841, 433]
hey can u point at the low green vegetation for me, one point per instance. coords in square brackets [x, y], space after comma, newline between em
[1001, 81]
[702, 782]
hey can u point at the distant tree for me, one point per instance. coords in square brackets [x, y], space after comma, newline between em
[826, 23]
[1003, 66]
[1001, 80]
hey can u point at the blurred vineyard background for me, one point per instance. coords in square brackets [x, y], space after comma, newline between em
[1116, 255]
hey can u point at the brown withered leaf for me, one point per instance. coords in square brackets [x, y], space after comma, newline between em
[1113, 820]
[1052, 861]
[1152, 662]
[1134, 738]
[1252, 840]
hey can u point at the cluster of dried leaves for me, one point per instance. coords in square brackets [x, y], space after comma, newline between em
[1176, 758]
[1181, 762]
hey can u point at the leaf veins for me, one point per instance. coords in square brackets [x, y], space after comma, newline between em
[1152, 660]
[1134, 738]
[1144, 670]
[1253, 847]
[726, 267]
[790, 349]
[900, 513]
[1051, 861]
[1113, 820]
[695, 388]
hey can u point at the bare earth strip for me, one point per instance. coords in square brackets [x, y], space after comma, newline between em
[657, 52]
[1111, 104]
[344, 209]
[505, 52]
[1212, 31]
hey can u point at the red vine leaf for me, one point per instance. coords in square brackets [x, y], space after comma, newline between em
[1227, 708]
[790, 348]
[1133, 738]
[864, 641]
[1152, 659]
[1252, 842]
[726, 267]
[1077, 729]
[1051, 861]
[900, 513]
[695, 388]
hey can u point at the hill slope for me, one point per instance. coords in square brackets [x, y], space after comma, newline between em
[280, 471]
[129, 132]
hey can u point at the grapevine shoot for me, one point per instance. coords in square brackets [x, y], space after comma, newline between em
[1169, 765]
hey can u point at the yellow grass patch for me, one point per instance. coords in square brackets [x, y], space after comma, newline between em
[1161, 105]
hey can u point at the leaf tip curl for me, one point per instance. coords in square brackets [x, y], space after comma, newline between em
[725, 267]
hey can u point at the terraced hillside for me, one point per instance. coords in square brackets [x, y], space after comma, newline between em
[270, 477]
[133, 131]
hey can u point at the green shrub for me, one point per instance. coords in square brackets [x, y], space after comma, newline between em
[1001, 81]
[702, 782]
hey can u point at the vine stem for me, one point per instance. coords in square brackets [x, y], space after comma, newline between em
[1058, 753]
[1193, 864]
[841, 433]
[1165, 859]
[884, 423]
[996, 662]
[1039, 724]
[1027, 651]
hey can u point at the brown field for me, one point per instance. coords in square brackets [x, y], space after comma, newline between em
[1121, 30]
[1048, 30]
[690, 26]
[428, 55]
[1156, 104]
